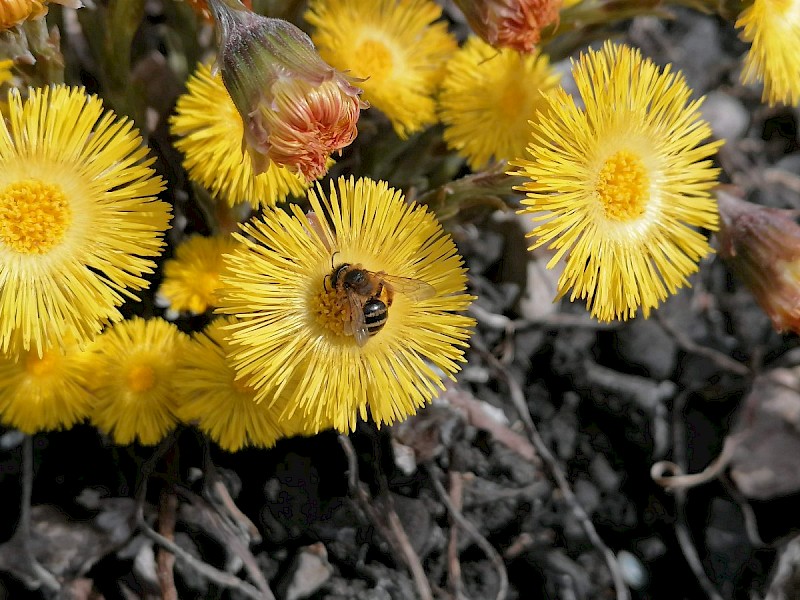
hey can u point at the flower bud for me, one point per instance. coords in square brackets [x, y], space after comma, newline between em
[515, 24]
[761, 246]
[296, 108]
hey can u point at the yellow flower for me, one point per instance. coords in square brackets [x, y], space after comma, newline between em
[5, 70]
[502, 87]
[295, 339]
[14, 12]
[44, 393]
[394, 45]
[222, 407]
[622, 183]
[210, 133]
[78, 217]
[191, 278]
[133, 369]
[773, 28]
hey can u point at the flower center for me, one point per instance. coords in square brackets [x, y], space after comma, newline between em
[141, 378]
[622, 186]
[332, 310]
[511, 101]
[375, 60]
[39, 367]
[34, 216]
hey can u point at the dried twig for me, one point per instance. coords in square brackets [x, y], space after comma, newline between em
[454, 564]
[166, 527]
[472, 531]
[41, 575]
[211, 573]
[670, 475]
[206, 570]
[387, 523]
[687, 344]
[225, 532]
[518, 399]
[478, 417]
[554, 320]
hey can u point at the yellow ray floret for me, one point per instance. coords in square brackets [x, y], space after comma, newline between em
[295, 340]
[133, 370]
[620, 185]
[222, 407]
[502, 87]
[191, 278]
[47, 392]
[210, 133]
[773, 28]
[395, 45]
[79, 218]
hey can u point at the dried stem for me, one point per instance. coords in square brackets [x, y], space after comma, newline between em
[455, 514]
[39, 573]
[518, 399]
[166, 527]
[392, 531]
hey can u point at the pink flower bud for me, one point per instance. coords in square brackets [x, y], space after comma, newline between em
[296, 108]
[762, 247]
[515, 24]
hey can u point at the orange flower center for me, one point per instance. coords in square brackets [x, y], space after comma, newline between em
[34, 216]
[332, 310]
[623, 186]
[141, 378]
[39, 367]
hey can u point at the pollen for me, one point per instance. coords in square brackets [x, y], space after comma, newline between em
[34, 216]
[376, 59]
[331, 310]
[141, 378]
[39, 367]
[622, 186]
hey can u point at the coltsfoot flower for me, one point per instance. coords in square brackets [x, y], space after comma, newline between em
[79, 217]
[296, 108]
[133, 374]
[620, 185]
[210, 133]
[398, 48]
[14, 12]
[42, 393]
[515, 24]
[5, 70]
[502, 87]
[299, 311]
[773, 29]
[222, 406]
[191, 279]
[761, 246]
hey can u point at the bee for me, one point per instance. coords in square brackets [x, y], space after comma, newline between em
[370, 294]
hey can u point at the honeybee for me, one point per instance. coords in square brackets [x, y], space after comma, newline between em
[370, 294]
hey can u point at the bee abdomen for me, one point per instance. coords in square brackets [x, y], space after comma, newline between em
[375, 315]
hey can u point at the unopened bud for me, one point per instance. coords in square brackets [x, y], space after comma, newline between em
[515, 24]
[761, 246]
[296, 108]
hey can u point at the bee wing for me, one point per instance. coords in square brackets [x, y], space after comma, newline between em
[413, 289]
[357, 323]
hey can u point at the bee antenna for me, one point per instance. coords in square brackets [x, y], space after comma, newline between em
[335, 252]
